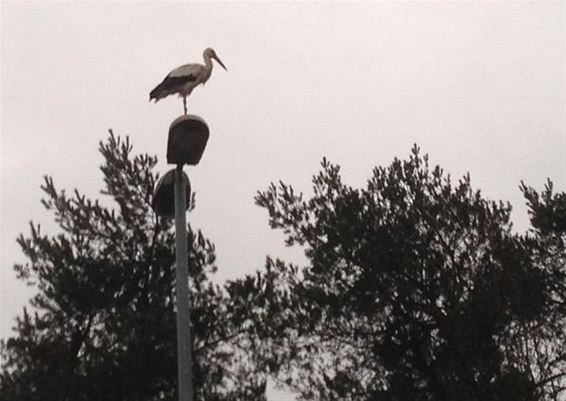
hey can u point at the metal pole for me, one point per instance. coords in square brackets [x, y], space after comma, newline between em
[184, 361]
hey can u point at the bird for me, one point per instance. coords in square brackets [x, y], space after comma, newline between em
[182, 80]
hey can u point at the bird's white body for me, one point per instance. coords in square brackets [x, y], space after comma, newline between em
[182, 80]
[200, 71]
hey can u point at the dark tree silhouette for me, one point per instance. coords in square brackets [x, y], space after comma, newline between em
[102, 325]
[416, 288]
[540, 346]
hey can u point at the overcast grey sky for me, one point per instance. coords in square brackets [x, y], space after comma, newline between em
[478, 85]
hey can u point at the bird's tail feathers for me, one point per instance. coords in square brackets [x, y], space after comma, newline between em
[158, 93]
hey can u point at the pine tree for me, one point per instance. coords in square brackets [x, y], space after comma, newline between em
[540, 345]
[416, 288]
[102, 325]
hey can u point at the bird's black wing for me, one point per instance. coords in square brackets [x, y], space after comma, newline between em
[169, 84]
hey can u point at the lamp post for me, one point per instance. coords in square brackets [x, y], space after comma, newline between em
[187, 140]
[184, 357]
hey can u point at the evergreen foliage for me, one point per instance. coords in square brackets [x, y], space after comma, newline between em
[102, 325]
[416, 288]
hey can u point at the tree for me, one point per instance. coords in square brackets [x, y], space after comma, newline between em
[102, 326]
[540, 345]
[416, 288]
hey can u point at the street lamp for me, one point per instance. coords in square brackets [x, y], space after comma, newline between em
[187, 140]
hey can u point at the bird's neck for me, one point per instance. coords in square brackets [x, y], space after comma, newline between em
[208, 63]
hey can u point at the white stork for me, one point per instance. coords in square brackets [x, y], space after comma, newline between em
[182, 80]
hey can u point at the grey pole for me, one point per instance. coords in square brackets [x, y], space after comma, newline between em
[186, 142]
[184, 362]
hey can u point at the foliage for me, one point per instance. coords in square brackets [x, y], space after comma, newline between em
[102, 326]
[416, 288]
[541, 345]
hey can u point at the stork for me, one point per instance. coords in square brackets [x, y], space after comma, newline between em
[182, 80]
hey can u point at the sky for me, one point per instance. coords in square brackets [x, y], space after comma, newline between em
[479, 86]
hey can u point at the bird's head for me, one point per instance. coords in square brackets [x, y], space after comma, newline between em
[210, 53]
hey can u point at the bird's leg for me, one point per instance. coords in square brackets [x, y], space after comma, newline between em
[185, 104]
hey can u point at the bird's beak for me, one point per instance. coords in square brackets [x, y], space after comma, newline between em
[220, 62]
